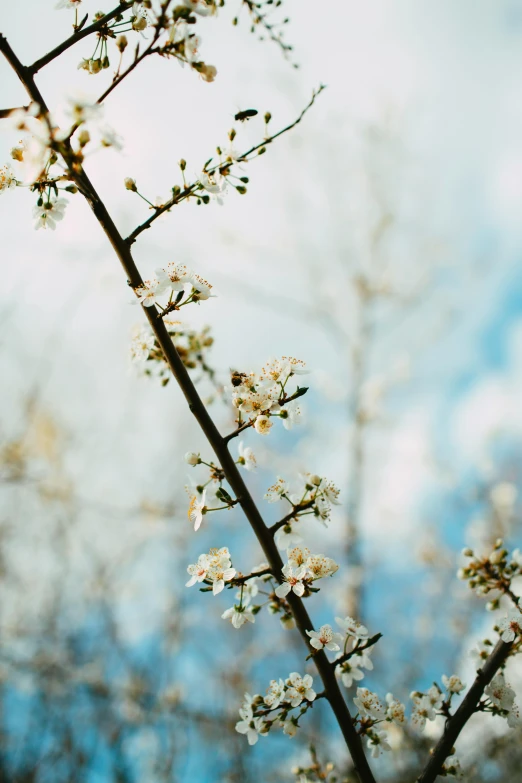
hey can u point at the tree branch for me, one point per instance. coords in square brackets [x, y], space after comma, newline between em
[216, 441]
[188, 191]
[77, 36]
[457, 722]
[7, 112]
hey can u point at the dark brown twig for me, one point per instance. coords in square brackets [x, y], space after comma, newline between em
[191, 189]
[291, 515]
[77, 36]
[7, 112]
[456, 723]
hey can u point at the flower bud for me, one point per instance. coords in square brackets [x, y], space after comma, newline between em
[287, 621]
[268, 117]
[314, 479]
[208, 72]
[139, 24]
[191, 458]
[130, 184]
[84, 137]
[121, 43]
[467, 552]
[183, 164]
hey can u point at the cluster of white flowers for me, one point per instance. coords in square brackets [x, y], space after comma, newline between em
[353, 660]
[214, 568]
[35, 157]
[371, 712]
[192, 347]
[492, 574]
[283, 695]
[171, 281]
[425, 706]
[259, 397]
[502, 700]
[315, 495]
[302, 569]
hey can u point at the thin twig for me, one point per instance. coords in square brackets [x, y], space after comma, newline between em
[7, 112]
[216, 441]
[77, 36]
[260, 19]
[239, 580]
[346, 657]
[190, 190]
[291, 515]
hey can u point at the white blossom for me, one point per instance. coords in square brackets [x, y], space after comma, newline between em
[277, 490]
[278, 371]
[149, 292]
[238, 615]
[200, 7]
[49, 213]
[214, 183]
[197, 509]
[368, 704]
[290, 415]
[500, 693]
[453, 684]
[142, 344]
[263, 425]
[7, 178]
[299, 689]
[141, 19]
[325, 637]
[287, 536]
[198, 571]
[349, 672]
[352, 628]
[425, 706]
[377, 743]
[246, 456]
[275, 693]
[67, 4]
[293, 581]
[394, 709]
[175, 277]
[191, 458]
[320, 566]
[220, 570]
[289, 726]
[510, 627]
[249, 725]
